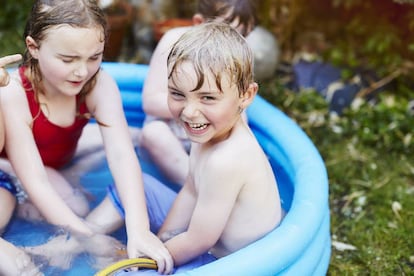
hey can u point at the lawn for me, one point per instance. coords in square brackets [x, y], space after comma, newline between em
[368, 154]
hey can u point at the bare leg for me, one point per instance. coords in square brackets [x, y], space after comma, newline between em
[166, 150]
[105, 218]
[7, 204]
[75, 198]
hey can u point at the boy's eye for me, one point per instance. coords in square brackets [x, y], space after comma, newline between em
[176, 94]
[67, 60]
[208, 98]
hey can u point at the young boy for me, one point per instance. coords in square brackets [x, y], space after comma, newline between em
[230, 198]
[164, 140]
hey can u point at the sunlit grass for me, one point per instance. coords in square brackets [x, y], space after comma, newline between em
[371, 179]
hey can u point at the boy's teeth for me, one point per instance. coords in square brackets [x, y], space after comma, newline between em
[199, 126]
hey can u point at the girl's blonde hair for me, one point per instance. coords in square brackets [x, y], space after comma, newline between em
[46, 14]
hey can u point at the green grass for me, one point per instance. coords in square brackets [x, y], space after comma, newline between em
[369, 159]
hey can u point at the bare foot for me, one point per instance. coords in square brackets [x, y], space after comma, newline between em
[61, 250]
[15, 261]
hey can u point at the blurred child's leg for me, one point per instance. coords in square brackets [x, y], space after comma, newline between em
[73, 196]
[7, 204]
[105, 218]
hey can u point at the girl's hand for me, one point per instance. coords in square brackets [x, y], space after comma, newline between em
[148, 245]
[4, 76]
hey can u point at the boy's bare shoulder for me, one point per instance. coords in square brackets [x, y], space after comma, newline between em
[236, 155]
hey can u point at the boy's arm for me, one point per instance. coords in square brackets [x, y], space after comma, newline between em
[216, 198]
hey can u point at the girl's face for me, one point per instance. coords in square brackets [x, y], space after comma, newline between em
[68, 57]
[207, 114]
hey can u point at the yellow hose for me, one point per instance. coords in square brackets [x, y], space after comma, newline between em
[128, 263]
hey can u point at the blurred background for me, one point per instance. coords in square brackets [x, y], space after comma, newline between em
[343, 70]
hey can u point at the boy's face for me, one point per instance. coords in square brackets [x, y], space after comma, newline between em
[206, 114]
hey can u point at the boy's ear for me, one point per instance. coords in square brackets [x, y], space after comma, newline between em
[198, 18]
[248, 96]
[32, 46]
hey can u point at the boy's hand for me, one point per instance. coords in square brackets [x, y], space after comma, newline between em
[146, 244]
[4, 76]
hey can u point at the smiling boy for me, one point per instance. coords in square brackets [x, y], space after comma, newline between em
[230, 198]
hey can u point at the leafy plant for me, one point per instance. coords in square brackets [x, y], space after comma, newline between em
[13, 16]
[368, 155]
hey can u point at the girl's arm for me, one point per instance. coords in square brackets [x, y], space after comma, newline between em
[106, 105]
[27, 164]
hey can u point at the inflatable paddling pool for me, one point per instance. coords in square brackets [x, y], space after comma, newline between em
[301, 245]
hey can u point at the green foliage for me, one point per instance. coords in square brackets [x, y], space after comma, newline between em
[387, 126]
[13, 17]
[368, 154]
[351, 33]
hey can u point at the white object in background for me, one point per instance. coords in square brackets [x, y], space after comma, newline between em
[266, 52]
[105, 3]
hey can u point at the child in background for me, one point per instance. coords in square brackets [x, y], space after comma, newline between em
[14, 261]
[165, 141]
[49, 100]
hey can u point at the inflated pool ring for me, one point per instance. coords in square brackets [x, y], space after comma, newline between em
[301, 245]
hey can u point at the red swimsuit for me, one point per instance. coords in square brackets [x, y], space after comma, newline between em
[56, 144]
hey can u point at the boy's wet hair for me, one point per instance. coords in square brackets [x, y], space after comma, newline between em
[46, 14]
[214, 48]
[243, 10]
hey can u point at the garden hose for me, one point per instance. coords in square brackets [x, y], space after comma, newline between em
[128, 263]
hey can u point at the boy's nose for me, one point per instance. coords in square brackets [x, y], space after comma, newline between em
[191, 110]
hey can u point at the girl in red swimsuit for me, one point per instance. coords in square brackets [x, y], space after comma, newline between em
[45, 106]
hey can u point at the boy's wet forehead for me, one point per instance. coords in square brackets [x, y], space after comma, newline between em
[187, 78]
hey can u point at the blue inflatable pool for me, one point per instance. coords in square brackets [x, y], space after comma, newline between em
[301, 245]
